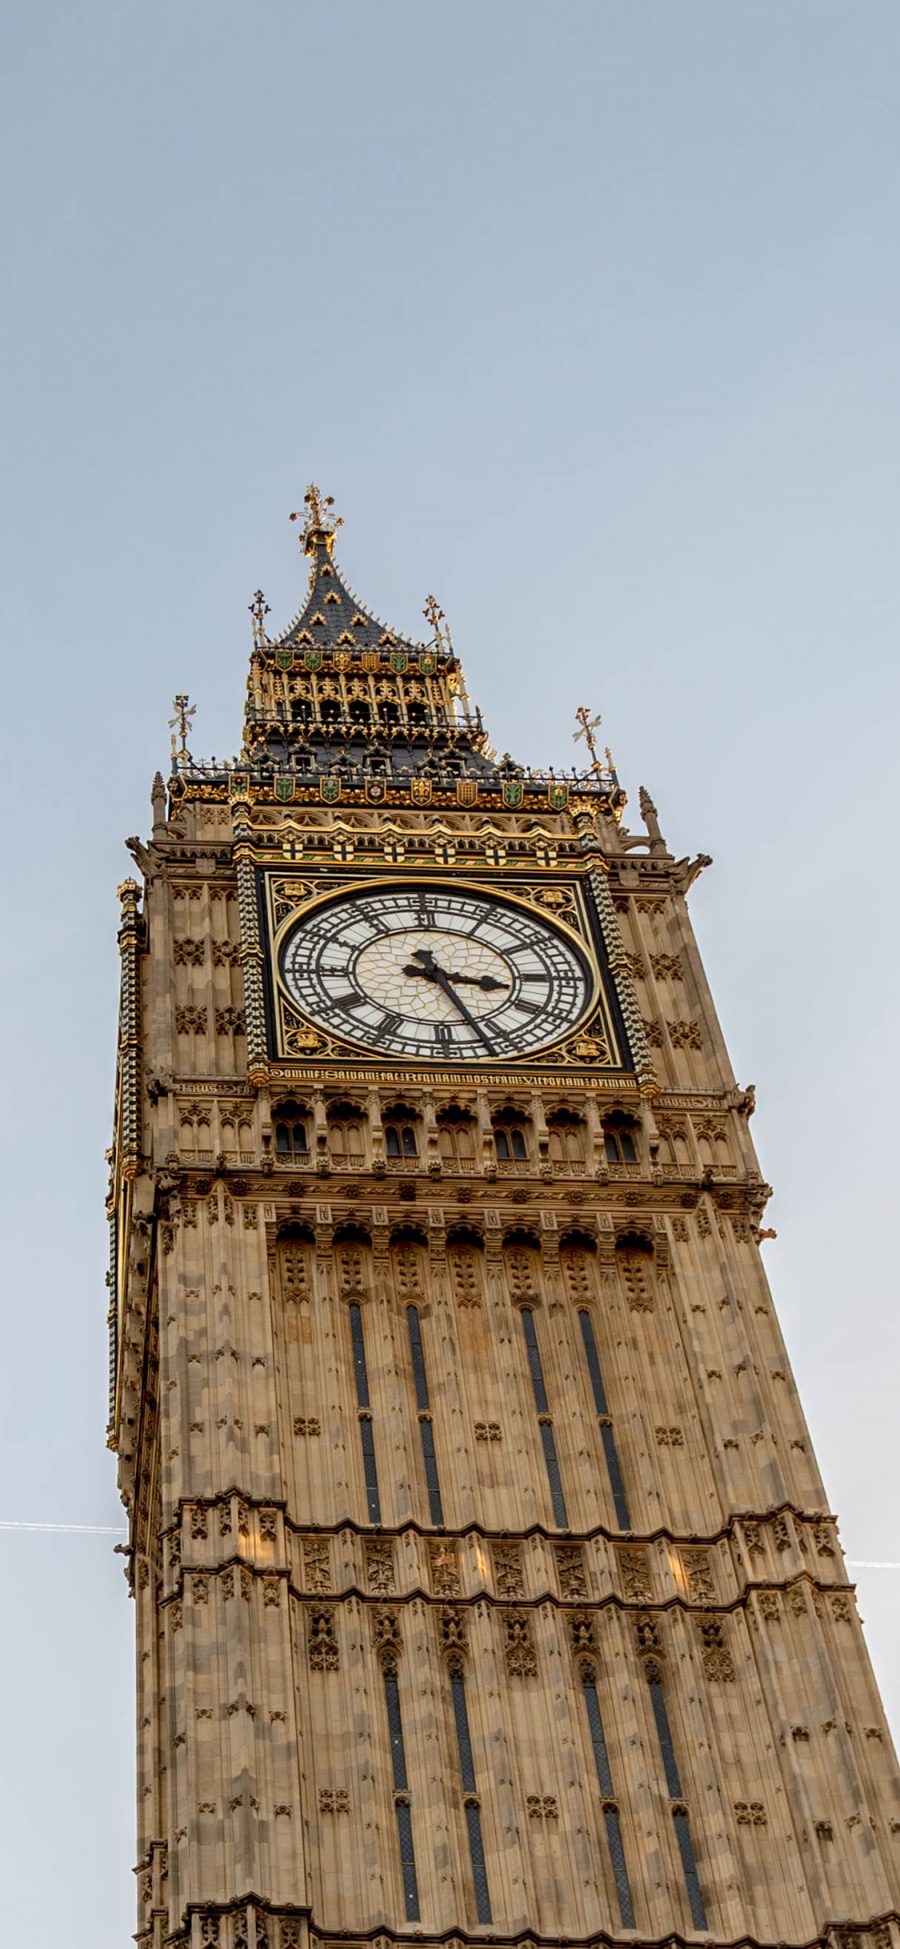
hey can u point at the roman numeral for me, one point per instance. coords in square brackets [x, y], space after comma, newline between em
[388, 1025]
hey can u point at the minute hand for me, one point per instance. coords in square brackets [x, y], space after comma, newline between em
[442, 981]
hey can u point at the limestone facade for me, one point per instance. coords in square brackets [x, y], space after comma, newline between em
[485, 1583]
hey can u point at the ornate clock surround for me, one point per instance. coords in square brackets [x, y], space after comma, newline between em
[565, 901]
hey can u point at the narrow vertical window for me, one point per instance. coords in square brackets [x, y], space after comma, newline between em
[604, 1418]
[471, 1801]
[545, 1421]
[367, 1439]
[401, 1793]
[426, 1429]
[680, 1819]
[610, 1809]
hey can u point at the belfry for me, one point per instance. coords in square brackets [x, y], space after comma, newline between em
[485, 1583]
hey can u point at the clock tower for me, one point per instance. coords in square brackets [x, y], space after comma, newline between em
[485, 1583]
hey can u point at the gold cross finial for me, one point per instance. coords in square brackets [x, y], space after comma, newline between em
[259, 610]
[434, 614]
[588, 725]
[319, 525]
[179, 726]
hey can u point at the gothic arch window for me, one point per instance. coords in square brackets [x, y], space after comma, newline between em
[400, 1139]
[456, 1135]
[510, 1142]
[346, 1124]
[565, 1129]
[620, 1138]
[290, 1122]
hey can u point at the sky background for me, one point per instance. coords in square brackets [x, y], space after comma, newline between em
[587, 317]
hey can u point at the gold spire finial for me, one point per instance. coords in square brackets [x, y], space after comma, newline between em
[179, 725]
[259, 610]
[319, 525]
[588, 725]
[434, 614]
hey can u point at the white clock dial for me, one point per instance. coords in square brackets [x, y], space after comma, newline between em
[426, 972]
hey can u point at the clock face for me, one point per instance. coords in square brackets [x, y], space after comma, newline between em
[425, 972]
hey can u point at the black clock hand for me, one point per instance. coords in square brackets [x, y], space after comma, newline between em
[486, 982]
[433, 972]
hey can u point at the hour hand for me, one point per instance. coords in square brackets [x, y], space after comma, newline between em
[485, 982]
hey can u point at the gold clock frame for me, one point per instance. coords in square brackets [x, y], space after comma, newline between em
[291, 896]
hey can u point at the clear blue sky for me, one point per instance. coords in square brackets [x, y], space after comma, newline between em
[587, 316]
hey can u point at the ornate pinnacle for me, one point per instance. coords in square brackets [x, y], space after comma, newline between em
[259, 610]
[319, 525]
[179, 725]
[648, 814]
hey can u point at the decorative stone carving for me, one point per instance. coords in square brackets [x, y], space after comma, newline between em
[332, 1800]
[452, 1631]
[508, 1578]
[698, 1571]
[465, 1277]
[380, 1567]
[685, 1035]
[521, 1659]
[634, 1573]
[718, 1663]
[322, 1641]
[316, 1563]
[573, 1584]
[542, 1806]
[581, 1634]
[444, 1569]
[386, 1634]
[647, 1638]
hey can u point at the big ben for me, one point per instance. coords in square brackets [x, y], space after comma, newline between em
[485, 1583]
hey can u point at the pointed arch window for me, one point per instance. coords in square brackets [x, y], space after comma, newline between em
[620, 1134]
[565, 1131]
[456, 1136]
[290, 1122]
[346, 1123]
[400, 1136]
[510, 1142]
